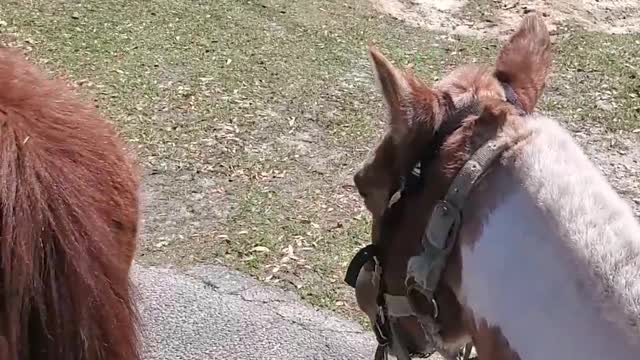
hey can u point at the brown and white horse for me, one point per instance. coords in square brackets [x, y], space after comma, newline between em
[513, 239]
[69, 222]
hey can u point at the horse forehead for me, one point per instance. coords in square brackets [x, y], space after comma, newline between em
[470, 80]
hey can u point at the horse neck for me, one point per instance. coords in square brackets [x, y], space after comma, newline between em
[551, 256]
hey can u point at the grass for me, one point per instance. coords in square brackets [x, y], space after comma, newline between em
[250, 117]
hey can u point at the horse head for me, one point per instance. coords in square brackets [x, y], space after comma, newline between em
[426, 144]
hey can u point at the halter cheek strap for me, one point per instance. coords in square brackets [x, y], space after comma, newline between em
[441, 234]
[381, 323]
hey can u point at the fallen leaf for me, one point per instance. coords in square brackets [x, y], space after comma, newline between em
[262, 249]
[162, 244]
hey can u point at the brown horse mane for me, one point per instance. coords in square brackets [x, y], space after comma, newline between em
[69, 223]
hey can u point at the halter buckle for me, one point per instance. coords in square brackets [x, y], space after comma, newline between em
[444, 218]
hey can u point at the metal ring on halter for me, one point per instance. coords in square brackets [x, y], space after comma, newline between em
[377, 272]
[383, 339]
[436, 310]
[412, 286]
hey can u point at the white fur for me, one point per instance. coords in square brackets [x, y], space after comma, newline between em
[557, 266]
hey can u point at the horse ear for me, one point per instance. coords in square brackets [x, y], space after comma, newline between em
[395, 89]
[525, 61]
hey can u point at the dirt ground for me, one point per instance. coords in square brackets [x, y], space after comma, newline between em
[498, 18]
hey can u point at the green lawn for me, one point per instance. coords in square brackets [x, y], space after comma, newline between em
[250, 116]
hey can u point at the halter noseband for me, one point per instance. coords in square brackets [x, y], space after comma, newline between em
[424, 270]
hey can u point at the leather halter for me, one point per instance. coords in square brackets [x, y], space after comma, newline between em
[424, 270]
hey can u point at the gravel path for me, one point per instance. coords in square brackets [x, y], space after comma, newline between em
[214, 313]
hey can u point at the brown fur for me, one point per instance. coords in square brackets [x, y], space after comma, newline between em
[69, 215]
[490, 340]
[405, 96]
[524, 64]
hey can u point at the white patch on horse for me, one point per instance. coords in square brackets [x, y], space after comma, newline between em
[557, 266]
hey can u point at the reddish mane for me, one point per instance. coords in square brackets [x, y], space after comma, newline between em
[69, 223]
